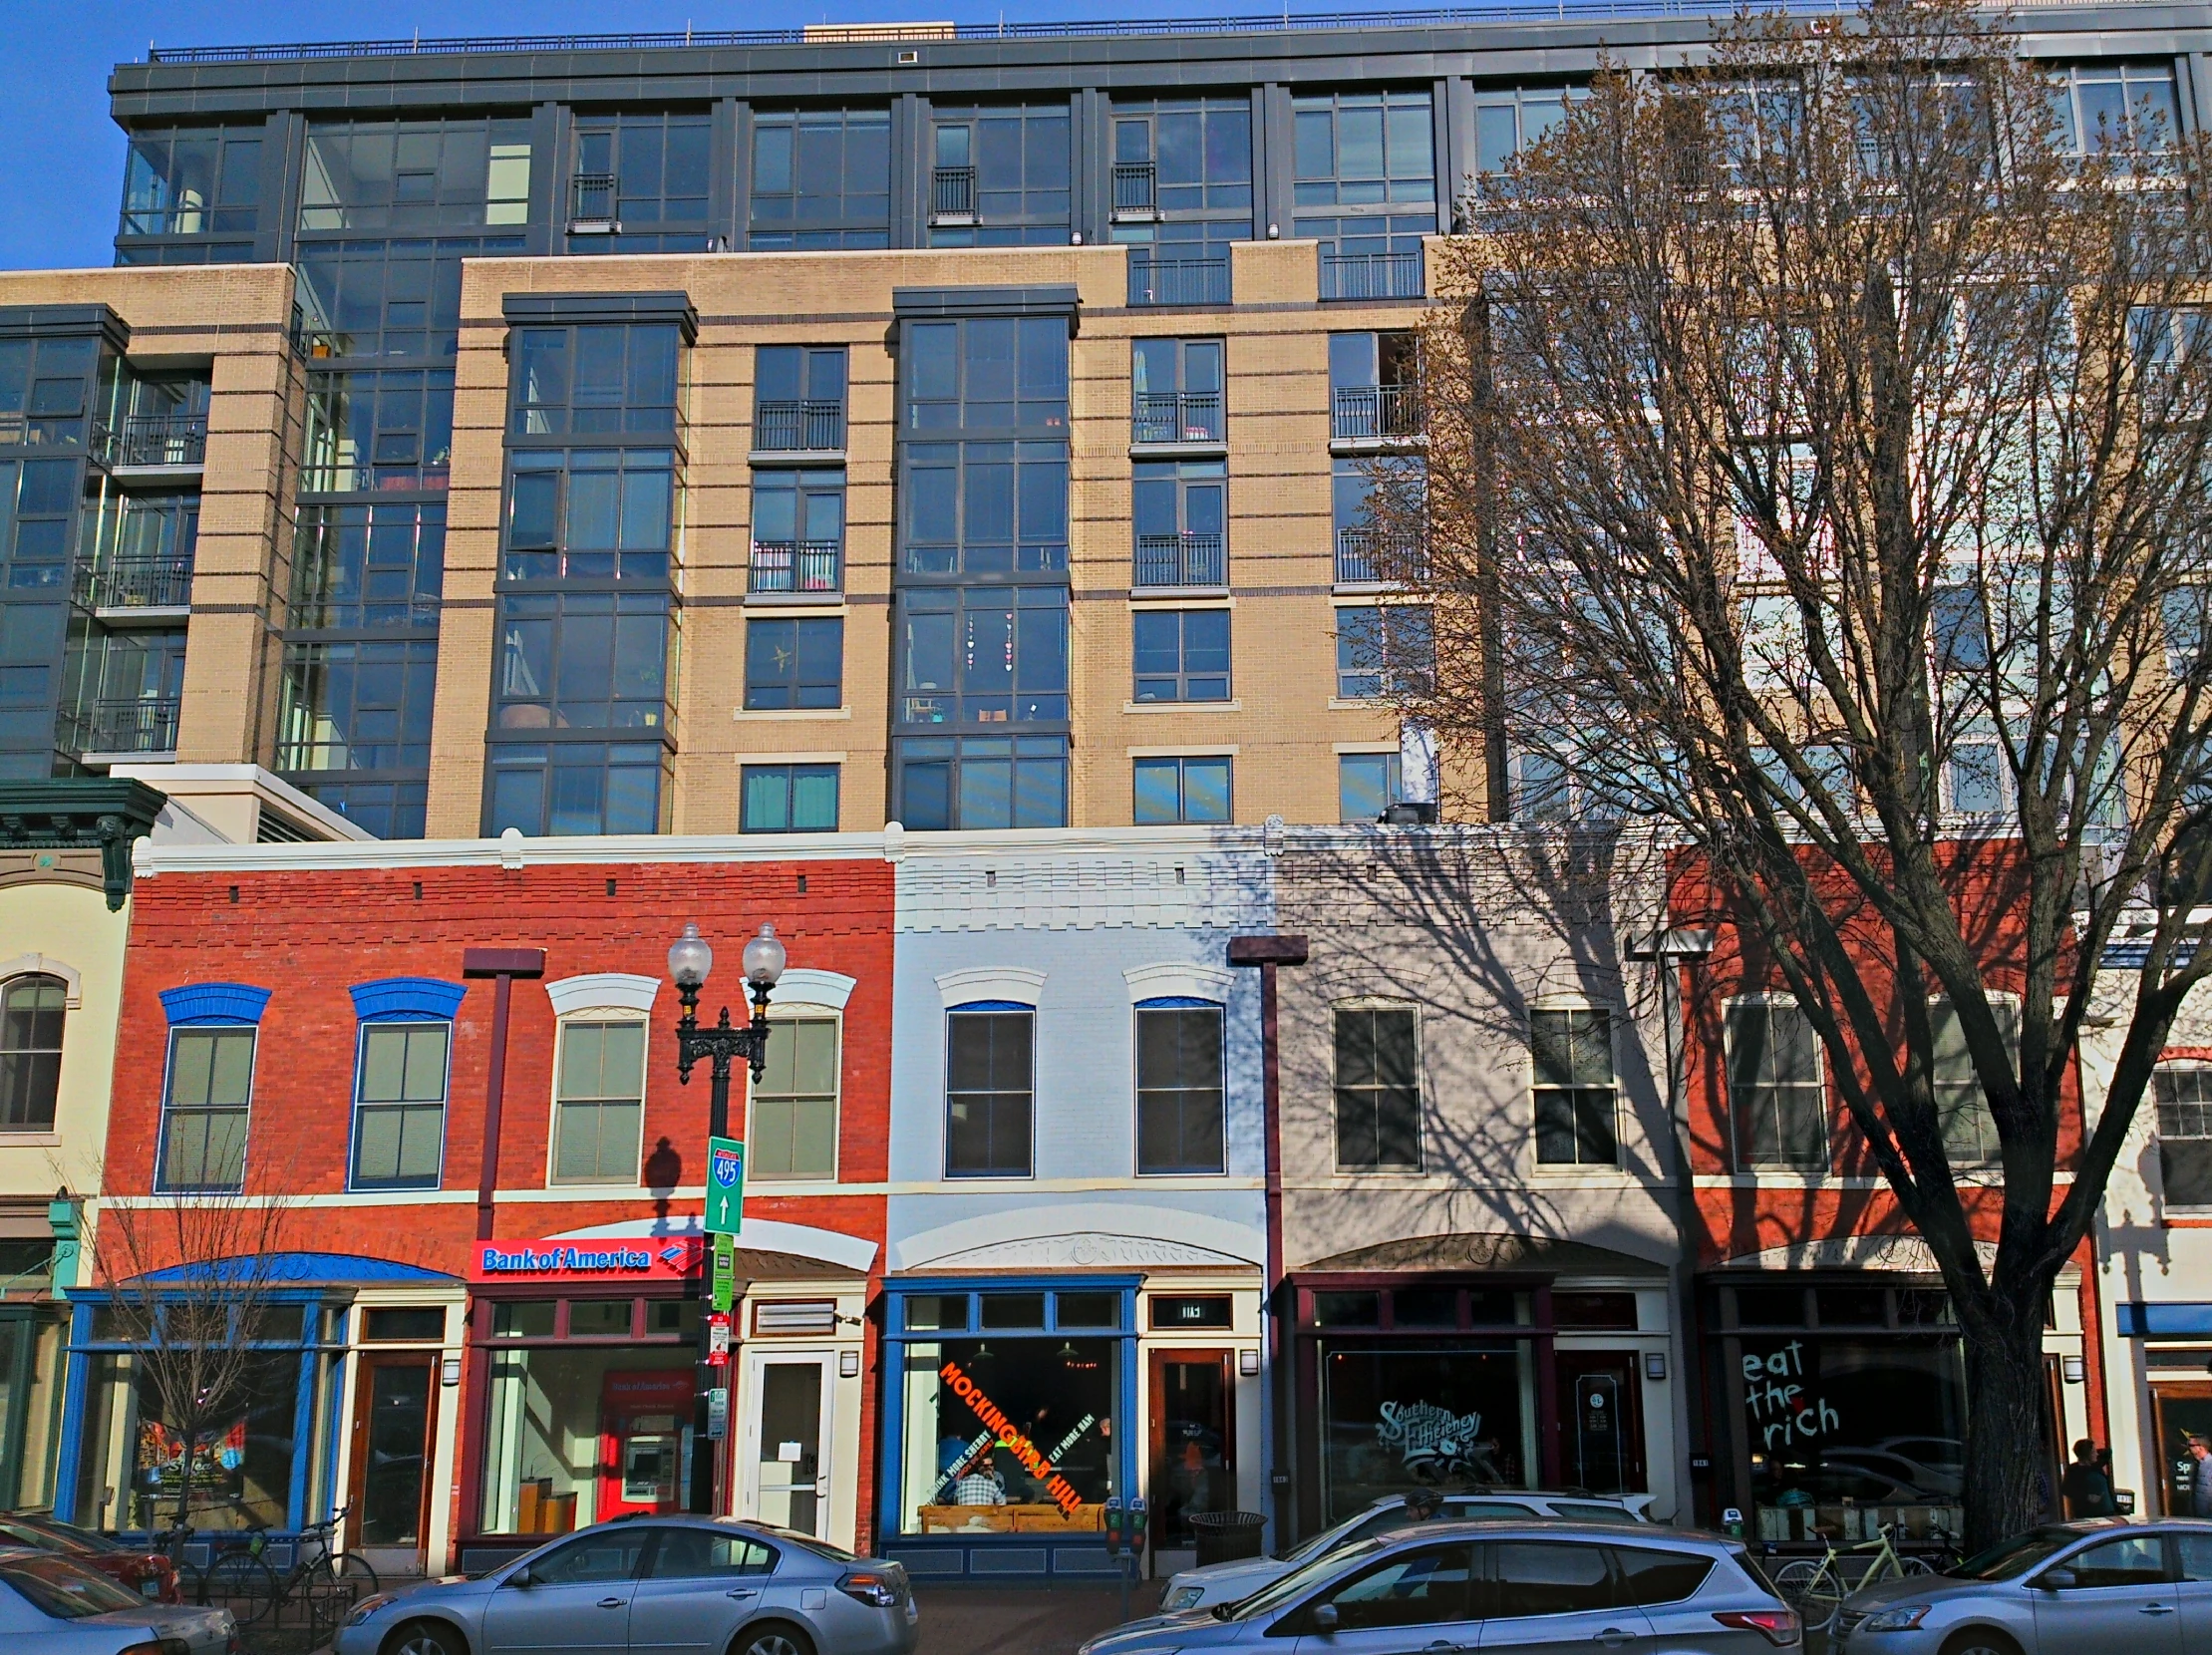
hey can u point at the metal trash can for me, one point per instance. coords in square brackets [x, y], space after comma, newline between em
[1225, 1536]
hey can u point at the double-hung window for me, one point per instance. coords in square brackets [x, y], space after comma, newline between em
[1961, 1106]
[600, 1100]
[399, 1136]
[1178, 1087]
[989, 1090]
[1777, 1090]
[2182, 1095]
[1574, 1088]
[794, 1103]
[204, 1112]
[1377, 1089]
[33, 1009]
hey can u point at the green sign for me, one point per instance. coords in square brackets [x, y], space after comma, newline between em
[722, 1280]
[725, 1185]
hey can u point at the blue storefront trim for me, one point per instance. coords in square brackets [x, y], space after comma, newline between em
[994, 1558]
[2141, 1320]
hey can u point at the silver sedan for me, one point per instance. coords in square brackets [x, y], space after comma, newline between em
[657, 1586]
[52, 1605]
[2069, 1588]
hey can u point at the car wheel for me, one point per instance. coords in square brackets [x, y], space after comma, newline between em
[1979, 1640]
[425, 1637]
[774, 1639]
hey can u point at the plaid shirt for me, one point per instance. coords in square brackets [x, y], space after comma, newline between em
[979, 1488]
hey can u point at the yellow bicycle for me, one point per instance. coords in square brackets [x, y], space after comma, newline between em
[1815, 1587]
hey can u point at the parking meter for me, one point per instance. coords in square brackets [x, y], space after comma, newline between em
[1114, 1525]
[1138, 1518]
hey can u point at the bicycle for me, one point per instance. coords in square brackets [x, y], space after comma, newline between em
[240, 1577]
[1815, 1587]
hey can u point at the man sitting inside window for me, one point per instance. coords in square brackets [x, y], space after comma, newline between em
[983, 1484]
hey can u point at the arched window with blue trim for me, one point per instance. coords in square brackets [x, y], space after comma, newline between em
[990, 1089]
[1178, 1086]
[207, 1094]
[401, 1073]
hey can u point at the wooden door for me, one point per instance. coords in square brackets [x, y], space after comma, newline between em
[1190, 1441]
[395, 1427]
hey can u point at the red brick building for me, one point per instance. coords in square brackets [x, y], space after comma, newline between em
[497, 1340]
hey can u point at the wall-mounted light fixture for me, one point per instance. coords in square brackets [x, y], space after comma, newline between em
[1248, 1363]
[848, 1364]
[2072, 1369]
[449, 1371]
[1655, 1364]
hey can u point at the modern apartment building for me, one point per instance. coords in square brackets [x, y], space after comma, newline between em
[756, 432]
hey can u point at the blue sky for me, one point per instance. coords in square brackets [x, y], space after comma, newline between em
[65, 180]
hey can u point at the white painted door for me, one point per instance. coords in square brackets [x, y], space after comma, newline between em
[784, 1450]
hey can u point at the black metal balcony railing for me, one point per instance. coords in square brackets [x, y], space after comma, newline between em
[1374, 412]
[158, 582]
[1178, 280]
[154, 440]
[1379, 556]
[1176, 416]
[591, 198]
[1371, 275]
[800, 426]
[1134, 188]
[952, 195]
[1179, 561]
[144, 724]
[797, 566]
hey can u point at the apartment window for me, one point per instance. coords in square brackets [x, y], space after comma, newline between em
[822, 179]
[1377, 506]
[564, 787]
[42, 494]
[988, 1090]
[1176, 391]
[795, 663]
[1000, 177]
[356, 706]
[1377, 1089]
[788, 798]
[1962, 1107]
[1368, 783]
[1182, 654]
[1777, 1093]
[1178, 1088]
[398, 297]
[1181, 789]
[639, 171]
[798, 398]
[370, 565]
[1384, 651]
[590, 514]
[798, 532]
[1573, 1055]
[1196, 154]
[43, 388]
[599, 1104]
[596, 378]
[1958, 623]
[204, 1112]
[794, 1103]
[987, 374]
[1373, 387]
[2182, 1095]
[1508, 119]
[406, 174]
[192, 180]
[399, 1131]
[1366, 188]
[121, 691]
[986, 509]
[982, 782]
[1975, 774]
[1179, 513]
[2128, 107]
[583, 661]
[376, 430]
[33, 1010]
[984, 655]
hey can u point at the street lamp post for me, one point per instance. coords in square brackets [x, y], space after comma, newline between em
[689, 961]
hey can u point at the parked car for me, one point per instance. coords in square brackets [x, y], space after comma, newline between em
[150, 1574]
[2097, 1585]
[660, 1583]
[1442, 1585]
[53, 1605]
[1226, 1582]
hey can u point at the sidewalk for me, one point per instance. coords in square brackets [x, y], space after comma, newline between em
[1023, 1620]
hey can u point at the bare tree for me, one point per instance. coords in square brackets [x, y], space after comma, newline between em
[191, 1278]
[1817, 466]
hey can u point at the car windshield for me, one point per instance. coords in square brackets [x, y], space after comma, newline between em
[1274, 1595]
[39, 1529]
[65, 1590]
[2009, 1560]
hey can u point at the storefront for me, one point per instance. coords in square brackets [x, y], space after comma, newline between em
[2169, 1347]
[38, 1257]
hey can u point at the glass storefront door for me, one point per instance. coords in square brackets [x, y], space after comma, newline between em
[786, 1441]
[1601, 1418]
[1192, 1451]
[2177, 1411]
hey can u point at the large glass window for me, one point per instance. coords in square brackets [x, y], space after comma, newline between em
[33, 1010]
[1181, 516]
[638, 172]
[368, 565]
[1777, 1095]
[798, 397]
[1001, 176]
[795, 663]
[1361, 492]
[388, 298]
[2126, 107]
[1378, 1088]
[1179, 1089]
[2182, 1095]
[1199, 151]
[1368, 783]
[1373, 391]
[794, 1103]
[1508, 119]
[1182, 654]
[399, 1130]
[1384, 651]
[1181, 789]
[583, 1432]
[1176, 391]
[989, 508]
[984, 655]
[1962, 1107]
[788, 798]
[983, 781]
[590, 514]
[992, 373]
[378, 429]
[45, 385]
[121, 691]
[204, 1108]
[600, 1101]
[399, 174]
[1575, 1107]
[798, 530]
[822, 179]
[988, 1091]
[1365, 148]
[192, 180]
[584, 661]
[1448, 1414]
[137, 1463]
[594, 379]
[356, 706]
[1007, 1435]
[562, 788]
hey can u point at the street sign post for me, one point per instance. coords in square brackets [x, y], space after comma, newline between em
[725, 1185]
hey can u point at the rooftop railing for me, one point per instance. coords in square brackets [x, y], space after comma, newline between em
[1154, 281]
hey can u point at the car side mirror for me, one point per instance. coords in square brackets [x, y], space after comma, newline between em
[520, 1577]
[2058, 1580]
[1325, 1617]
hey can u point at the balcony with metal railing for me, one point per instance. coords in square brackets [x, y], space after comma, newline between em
[1379, 557]
[1375, 414]
[1135, 191]
[796, 566]
[592, 204]
[799, 427]
[153, 441]
[1371, 275]
[1176, 419]
[137, 724]
[1181, 561]
[156, 586]
[952, 195]
[1178, 281]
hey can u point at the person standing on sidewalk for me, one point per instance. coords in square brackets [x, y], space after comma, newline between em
[2200, 1483]
[2087, 1491]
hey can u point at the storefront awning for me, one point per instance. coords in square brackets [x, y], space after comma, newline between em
[781, 1246]
[301, 1269]
[2138, 1320]
[1487, 1250]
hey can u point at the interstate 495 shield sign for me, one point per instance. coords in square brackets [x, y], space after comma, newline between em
[725, 1185]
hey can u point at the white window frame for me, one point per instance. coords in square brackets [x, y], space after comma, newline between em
[596, 1014]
